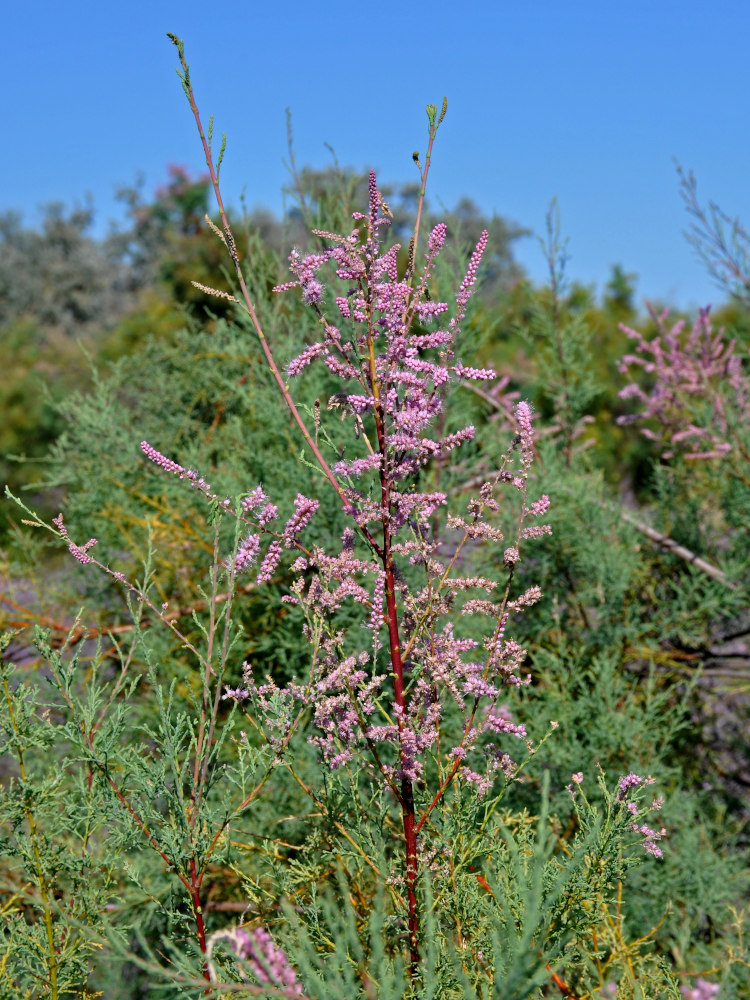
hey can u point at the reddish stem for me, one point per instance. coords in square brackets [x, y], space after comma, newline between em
[248, 303]
[407, 789]
[250, 308]
[561, 984]
[195, 897]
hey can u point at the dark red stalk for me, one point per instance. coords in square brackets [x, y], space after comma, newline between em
[195, 897]
[192, 885]
[407, 789]
[397, 663]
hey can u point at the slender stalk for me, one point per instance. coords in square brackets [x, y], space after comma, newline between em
[200, 748]
[555, 263]
[247, 301]
[397, 665]
[303, 206]
[229, 241]
[195, 897]
[407, 789]
[423, 172]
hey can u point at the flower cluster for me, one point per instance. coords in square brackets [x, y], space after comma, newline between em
[629, 781]
[255, 510]
[381, 348]
[79, 552]
[625, 785]
[702, 990]
[689, 371]
[407, 591]
[258, 957]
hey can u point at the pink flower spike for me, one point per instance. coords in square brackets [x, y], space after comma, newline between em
[246, 553]
[299, 520]
[298, 364]
[464, 292]
[259, 954]
[80, 552]
[270, 563]
[539, 507]
[436, 239]
[166, 463]
[475, 374]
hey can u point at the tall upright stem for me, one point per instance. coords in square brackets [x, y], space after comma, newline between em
[247, 301]
[397, 664]
[407, 789]
[384, 553]
[422, 192]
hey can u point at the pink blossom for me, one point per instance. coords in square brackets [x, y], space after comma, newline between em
[246, 553]
[270, 563]
[436, 239]
[358, 466]
[81, 552]
[476, 374]
[685, 368]
[260, 957]
[166, 463]
[539, 507]
[297, 523]
[429, 310]
[526, 432]
[303, 360]
[470, 278]
[536, 531]
[702, 990]
[626, 783]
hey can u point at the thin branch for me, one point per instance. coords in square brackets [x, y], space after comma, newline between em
[679, 550]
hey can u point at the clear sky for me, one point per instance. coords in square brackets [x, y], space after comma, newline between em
[590, 102]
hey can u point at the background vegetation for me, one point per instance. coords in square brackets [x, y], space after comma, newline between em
[638, 649]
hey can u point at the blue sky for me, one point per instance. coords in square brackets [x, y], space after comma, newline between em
[590, 102]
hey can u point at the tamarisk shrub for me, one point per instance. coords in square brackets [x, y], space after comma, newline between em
[690, 394]
[394, 368]
[699, 399]
[383, 348]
